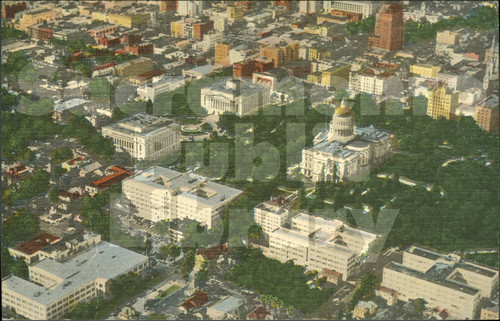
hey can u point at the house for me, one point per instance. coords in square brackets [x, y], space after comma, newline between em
[332, 276]
[72, 163]
[259, 313]
[363, 309]
[198, 299]
[118, 175]
[387, 294]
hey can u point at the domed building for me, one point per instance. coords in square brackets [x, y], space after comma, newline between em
[345, 152]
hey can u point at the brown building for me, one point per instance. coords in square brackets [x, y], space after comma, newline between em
[44, 33]
[168, 5]
[247, 5]
[222, 53]
[487, 114]
[389, 28]
[132, 39]
[145, 49]
[109, 41]
[298, 68]
[202, 28]
[281, 54]
[9, 10]
[246, 69]
[283, 3]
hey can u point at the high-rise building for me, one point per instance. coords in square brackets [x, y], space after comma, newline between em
[234, 13]
[191, 8]
[309, 6]
[442, 102]
[9, 9]
[365, 8]
[281, 54]
[168, 5]
[283, 3]
[222, 50]
[389, 28]
[486, 114]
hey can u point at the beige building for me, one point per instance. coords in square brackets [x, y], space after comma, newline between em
[160, 193]
[344, 152]
[144, 136]
[319, 244]
[236, 96]
[134, 67]
[443, 281]
[33, 17]
[442, 102]
[270, 215]
[447, 38]
[54, 287]
[425, 70]
[490, 313]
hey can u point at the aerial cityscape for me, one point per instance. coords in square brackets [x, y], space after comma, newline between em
[250, 160]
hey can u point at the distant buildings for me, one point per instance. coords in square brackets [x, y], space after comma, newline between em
[234, 13]
[442, 280]
[150, 91]
[9, 9]
[344, 152]
[235, 96]
[486, 113]
[309, 6]
[281, 54]
[190, 8]
[389, 28]
[144, 136]
[222, 50]
[191, 28]
[56, 286]
[366, 8]
[25, 19]
[160, 193]
[129, 20]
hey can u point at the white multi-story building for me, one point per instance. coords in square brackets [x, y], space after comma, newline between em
[160, 193]
[55, 287]
[235, 96]
[210, 39]
[442, 280]
[150, 91]
[383, 84]
[191, 8]
[366, 8]
[344, 152]
[144, 136]
[270, 215]
[319, 244]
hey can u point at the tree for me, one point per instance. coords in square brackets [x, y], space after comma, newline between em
[255, 232]
[61, 154]
[149, 107]
[42, 107]
[420, 305]
[53, 195]
[100, 89]
[301, 201]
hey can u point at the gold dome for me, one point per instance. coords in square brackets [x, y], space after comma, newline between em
[343, 110]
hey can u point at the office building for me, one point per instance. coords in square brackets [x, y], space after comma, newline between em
[221, 56]
[55, 287]
[234, 13]
[388, 28]
[144, 136]
[365, 8]
[134, 67]
[190, 8]
[150, 91]
[271, 215]
[309, 6]
[281, 54]
[160, 193]
[344, 152]
[486, 114]
[25, 19]
[235, 96]
[441, 102]
[129, 20]
[443, 280]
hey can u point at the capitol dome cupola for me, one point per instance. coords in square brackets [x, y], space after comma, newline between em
[342, 126]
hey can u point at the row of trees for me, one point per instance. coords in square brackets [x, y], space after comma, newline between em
[36, 183]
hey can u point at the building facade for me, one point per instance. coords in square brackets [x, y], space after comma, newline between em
[442, 102]
[486, 114]
[144, 136]
[389, 28]
[235, 96]
[160, 193]
[344, 152]
[134, 67]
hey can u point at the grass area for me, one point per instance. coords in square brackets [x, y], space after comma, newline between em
[489, 259]
[168, 291]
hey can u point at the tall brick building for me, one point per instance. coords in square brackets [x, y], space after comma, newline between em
[9, 10]
[486, 113]
[168, 5]
[389, 28]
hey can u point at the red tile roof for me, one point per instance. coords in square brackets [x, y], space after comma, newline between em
[74, 195]
[119, 175]
[259, 313]
[331, 273]
[38, 243]
[108, 65]
[213, 252]
[199, 298]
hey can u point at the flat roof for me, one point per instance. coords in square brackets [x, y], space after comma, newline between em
[436, 275]
[142, 125]
[227, 304]
[105, 260]
[189, 185]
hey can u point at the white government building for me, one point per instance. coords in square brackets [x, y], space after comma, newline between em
[312, 241]
[344, 152]
[55, 287]
[159, 193]
[235, 96]
[165, 84]
[444, 281]
[144, 136]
